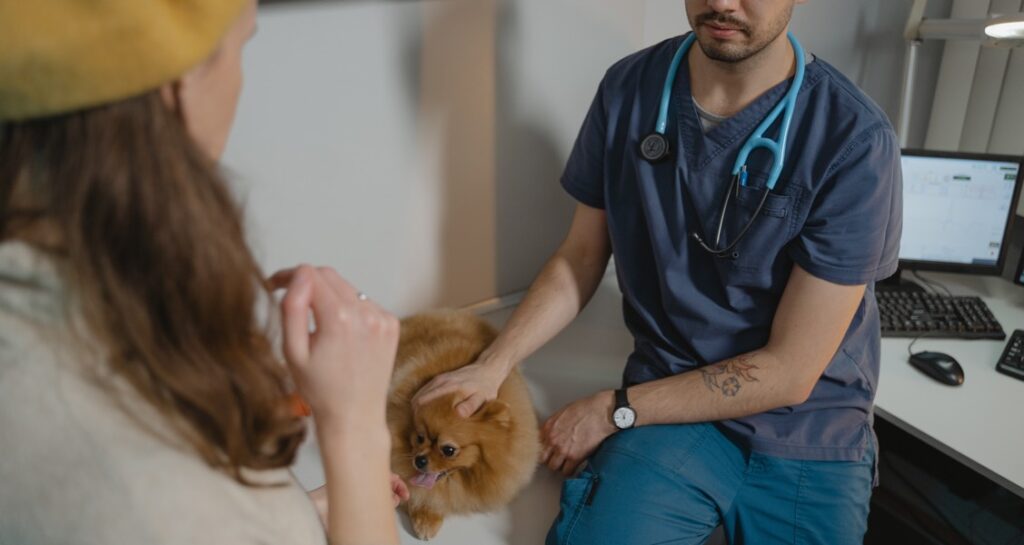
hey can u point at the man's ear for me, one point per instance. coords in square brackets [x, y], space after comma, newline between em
[495, 412]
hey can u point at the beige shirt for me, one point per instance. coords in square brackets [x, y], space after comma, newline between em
[76, 468]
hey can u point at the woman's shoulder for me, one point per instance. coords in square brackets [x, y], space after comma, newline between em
[88, 461]
[81, 466]
[157, 503]
[31, 291]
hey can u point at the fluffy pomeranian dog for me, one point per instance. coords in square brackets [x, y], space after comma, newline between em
[453, 464]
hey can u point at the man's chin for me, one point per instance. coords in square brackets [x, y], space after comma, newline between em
[724, 51]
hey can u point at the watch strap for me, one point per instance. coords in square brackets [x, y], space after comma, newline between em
[621, 399]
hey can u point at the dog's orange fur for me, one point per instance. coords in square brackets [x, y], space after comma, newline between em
[496, 448]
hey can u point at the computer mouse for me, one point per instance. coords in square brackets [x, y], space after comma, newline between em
[941, 367]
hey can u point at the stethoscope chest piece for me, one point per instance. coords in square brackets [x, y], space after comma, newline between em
[654, 148]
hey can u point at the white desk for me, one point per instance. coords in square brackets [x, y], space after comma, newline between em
[978, 423]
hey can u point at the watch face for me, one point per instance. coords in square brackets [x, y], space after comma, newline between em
[624, 417]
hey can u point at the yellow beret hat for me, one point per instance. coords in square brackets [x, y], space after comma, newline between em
[57, 56]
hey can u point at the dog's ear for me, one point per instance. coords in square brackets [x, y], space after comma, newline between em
[495, 412]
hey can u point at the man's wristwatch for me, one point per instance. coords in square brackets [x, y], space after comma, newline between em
[624, 416]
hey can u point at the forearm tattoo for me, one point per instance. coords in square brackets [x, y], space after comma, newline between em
[729, 376]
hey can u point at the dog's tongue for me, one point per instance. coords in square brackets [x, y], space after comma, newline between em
[425, 480]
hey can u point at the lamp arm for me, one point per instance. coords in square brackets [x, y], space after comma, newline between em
[912, 31]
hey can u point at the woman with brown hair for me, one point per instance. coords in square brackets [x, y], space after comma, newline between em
[140, 397]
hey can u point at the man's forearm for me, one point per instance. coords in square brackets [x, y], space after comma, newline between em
[747, 384]
[563, 287]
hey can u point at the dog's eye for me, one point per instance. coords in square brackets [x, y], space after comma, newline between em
[448, 451]
[419, 439]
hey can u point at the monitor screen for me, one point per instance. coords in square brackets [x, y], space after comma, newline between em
[957, 210]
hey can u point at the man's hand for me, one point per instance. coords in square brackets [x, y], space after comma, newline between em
[473, 385]
[574, 432]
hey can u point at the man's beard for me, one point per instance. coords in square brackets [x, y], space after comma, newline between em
[730, 53]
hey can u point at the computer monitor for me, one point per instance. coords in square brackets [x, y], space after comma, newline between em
[957, 209]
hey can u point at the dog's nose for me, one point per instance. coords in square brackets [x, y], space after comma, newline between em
[421, 462]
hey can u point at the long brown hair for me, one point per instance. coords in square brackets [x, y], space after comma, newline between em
[151, 241]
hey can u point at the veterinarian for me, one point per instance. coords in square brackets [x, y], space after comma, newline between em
[747, 400]
[140, 399]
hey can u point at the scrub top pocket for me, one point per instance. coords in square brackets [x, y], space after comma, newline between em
[764, 242]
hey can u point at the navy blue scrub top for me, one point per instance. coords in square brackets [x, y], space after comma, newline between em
[836, 211]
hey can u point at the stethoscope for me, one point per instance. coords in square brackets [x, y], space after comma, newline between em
[655, 147]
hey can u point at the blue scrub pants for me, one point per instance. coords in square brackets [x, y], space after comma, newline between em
[675, 484]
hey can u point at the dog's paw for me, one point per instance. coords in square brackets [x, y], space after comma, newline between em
[426, 524]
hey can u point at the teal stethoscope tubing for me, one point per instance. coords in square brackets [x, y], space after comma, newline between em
[785, 108]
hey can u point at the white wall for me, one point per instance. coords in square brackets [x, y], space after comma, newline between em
[663, 19]
[978, 104]
[416, 146]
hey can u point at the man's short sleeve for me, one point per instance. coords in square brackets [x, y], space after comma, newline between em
[852, 232]
[583, 178]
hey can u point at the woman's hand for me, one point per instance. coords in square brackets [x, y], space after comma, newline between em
[573, 433]
[343, 368]
[473, 385]
[399, 490]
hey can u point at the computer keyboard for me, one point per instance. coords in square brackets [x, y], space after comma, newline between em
[1012, 361]
[919, 313]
